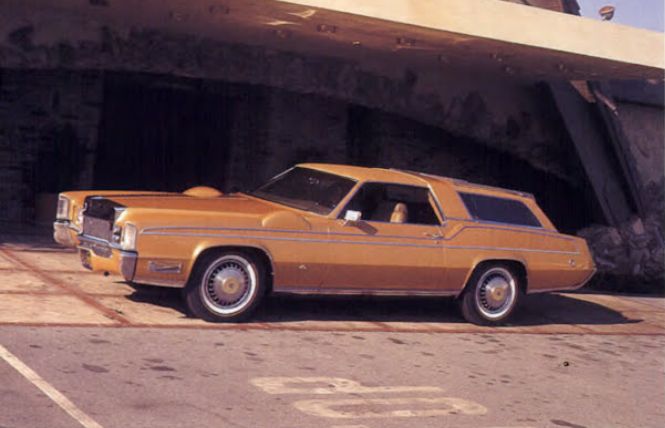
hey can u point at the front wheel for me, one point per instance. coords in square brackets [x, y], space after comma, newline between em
[491, 295]
[225, 287]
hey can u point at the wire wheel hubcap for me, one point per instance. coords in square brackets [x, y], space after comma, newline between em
[229, 285]
[495, 293]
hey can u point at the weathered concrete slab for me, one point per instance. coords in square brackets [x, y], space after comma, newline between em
[23, 282]
[4, 263]
[148, 312]
[94, 284]
[48, 309]
[51, 260]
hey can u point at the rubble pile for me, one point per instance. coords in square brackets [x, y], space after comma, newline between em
[629, 256]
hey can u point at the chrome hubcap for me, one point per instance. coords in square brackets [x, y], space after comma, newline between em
[229, 285]
[495, 293]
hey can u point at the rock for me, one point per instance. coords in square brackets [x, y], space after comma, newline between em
[637, 227]
[630, 255]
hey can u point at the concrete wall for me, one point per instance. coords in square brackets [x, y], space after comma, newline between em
[644, 127]
[48, 133]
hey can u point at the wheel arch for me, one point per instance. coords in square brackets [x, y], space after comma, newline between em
[517, 264]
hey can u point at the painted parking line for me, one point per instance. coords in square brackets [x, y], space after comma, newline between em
[56, 396]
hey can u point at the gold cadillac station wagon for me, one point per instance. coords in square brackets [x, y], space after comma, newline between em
[329, 229]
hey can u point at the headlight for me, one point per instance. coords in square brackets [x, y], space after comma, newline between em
[116, 234]
[128, 237]
[62, 213]
[79, 216]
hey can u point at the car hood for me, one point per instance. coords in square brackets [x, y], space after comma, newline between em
[236, 203]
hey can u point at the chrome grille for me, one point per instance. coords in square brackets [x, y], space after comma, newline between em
[97, 228]
[99, 216]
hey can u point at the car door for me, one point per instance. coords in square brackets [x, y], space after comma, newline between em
[394, 246]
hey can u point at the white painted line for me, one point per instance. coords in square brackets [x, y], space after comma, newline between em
[48, 390]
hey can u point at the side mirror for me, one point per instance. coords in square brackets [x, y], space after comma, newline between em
[352, 217]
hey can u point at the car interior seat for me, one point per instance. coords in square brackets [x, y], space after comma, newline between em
[400, 213]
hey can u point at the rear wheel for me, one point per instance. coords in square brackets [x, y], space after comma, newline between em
[225, 286]
[491, 295]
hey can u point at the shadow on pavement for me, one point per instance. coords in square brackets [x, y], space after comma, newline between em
[540, 309]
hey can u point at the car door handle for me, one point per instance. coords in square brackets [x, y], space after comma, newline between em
[433, 235]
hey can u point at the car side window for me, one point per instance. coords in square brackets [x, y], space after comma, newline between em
[393, 203]
[499, 210]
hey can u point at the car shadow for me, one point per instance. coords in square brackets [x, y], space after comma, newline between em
[540, 309]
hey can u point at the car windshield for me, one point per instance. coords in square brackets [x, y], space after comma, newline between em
[306, 189]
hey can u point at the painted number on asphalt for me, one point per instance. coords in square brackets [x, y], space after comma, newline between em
[329, 385]
[402, 407]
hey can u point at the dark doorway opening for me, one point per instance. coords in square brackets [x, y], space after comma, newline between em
[163, 133]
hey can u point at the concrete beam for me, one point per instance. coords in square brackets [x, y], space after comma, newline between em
[493, 37]
[555, 35]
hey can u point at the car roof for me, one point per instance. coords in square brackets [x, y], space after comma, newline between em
[361, 173]
[414, 178]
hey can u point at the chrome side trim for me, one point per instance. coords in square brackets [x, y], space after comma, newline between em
[379, 243]
[151, 230]
[362, 292]
[320, 241]
[540, 231]
[526, 250]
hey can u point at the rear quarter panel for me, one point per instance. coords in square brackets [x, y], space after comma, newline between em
[551, 260]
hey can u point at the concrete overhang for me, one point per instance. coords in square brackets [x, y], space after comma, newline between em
[488, 36]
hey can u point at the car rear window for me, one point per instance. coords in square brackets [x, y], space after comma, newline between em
[499, 210]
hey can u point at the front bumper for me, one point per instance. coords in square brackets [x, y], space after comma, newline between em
[100, 256]
[65, 233]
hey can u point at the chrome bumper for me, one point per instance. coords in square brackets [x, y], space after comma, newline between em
[64, 232]
[128, 261]
[123, 261]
